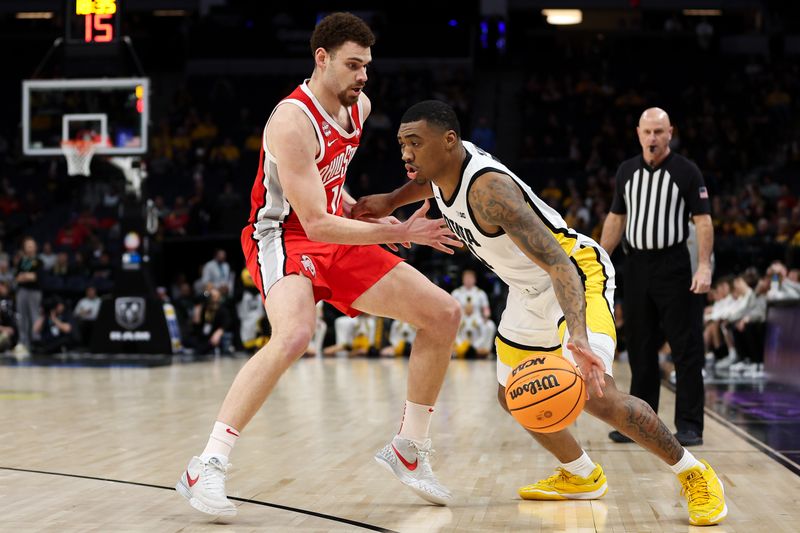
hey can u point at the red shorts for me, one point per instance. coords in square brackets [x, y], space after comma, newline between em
[339, 273]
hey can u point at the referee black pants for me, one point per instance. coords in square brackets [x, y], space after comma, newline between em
[657, 303]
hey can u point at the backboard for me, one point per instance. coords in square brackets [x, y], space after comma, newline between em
[116, 109]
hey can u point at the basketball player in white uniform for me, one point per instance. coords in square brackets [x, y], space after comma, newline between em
[561, 286]
[475, 333]
[468, 291]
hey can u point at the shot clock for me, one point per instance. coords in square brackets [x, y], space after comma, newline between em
[93, 22]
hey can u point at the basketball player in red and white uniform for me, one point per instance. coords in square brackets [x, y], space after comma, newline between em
[301, 247]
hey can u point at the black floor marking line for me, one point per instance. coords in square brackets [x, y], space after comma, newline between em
[244, 500]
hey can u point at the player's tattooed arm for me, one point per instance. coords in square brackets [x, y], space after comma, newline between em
[498, 201]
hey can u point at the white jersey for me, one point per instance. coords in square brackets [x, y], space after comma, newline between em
[401, 332]
[474, 295]
[497, 251]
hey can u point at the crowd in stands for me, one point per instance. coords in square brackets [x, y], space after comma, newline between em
[737, 119]
[735, 318]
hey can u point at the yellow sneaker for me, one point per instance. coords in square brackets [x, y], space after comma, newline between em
[566, 486]
[705, 496]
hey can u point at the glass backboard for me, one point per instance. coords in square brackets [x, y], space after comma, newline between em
[113, 110]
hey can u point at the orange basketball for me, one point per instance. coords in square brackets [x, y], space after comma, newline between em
[545, 393]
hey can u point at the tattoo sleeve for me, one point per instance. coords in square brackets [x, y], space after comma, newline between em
[498, 201]
[643, 425]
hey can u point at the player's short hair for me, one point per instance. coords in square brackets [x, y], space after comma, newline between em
[338, 28]
[434, 112]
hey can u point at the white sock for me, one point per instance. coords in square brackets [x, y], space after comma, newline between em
[220, 442]
[582, 466]
[687, 461]
[416, 421]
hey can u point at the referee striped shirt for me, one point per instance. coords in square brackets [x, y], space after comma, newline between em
[659, 201]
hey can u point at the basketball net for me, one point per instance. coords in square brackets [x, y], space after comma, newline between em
[78, 153]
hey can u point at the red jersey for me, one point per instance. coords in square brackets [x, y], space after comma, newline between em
[269, 207]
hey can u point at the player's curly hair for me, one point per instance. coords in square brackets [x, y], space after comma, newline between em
[338, 28]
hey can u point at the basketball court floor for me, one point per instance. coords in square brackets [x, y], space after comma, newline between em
[100, 449]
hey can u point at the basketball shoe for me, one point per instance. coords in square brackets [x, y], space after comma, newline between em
[203, 484]
[564, 485]
[410, 463]
[705, 496]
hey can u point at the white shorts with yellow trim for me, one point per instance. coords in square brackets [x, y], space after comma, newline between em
[535, 324]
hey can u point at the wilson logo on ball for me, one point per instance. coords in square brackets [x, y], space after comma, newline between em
[535, 385]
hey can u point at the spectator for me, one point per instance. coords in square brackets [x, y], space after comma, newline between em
[401, 337]
[8, 322]
[748, 325]
[354, 336]
[103, 272]
[705, 32]
[469, 293]
[251, 315]
[714, 317]
[782, 283]
[79, 268]
[184, 303]
[217, 272]
[227, 153]
[552, 194]
[61, 267]
[204, 130]
[175, 288]
[73, 235]
[213, 323]
[253, 141]
[475, 335]
[29, 294]
[6, 276]
[177, 220]
[85, 314]
[48, 257]
[53, 329]
[9, 203]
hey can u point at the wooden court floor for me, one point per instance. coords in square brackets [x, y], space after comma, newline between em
[99, 449]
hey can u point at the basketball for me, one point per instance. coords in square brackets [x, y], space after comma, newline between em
[545, 393]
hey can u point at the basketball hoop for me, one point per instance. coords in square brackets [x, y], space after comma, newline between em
[78, 153]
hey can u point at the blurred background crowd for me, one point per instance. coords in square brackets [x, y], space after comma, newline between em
[558, 107]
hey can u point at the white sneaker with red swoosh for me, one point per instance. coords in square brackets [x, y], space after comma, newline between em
[410, 463]
[203, 484]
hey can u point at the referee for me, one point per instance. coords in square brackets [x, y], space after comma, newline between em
[655, 195]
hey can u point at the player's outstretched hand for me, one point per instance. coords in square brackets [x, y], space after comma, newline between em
[387, 220]
[590, 365]
[372, 206]
[430, 232]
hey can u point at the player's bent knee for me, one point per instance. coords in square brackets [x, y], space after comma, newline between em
[440, 314]
[294, 343]
[451, 314]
